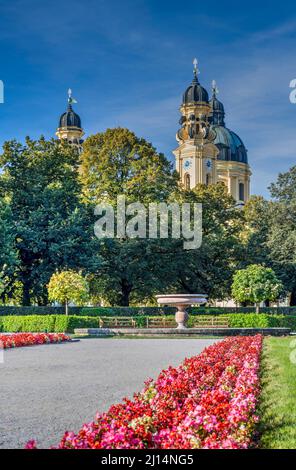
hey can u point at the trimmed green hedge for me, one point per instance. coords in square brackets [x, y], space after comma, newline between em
[46, 323]
[139, 311]
[61, 323]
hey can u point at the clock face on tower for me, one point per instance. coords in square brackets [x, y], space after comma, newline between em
[208, 164]
[187, 164]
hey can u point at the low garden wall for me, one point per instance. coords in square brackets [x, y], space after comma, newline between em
[63, 323]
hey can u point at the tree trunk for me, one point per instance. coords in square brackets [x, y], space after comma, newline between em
[126, 289]
[66, 307]
[26, 298]
[293, 297]
[257, 307]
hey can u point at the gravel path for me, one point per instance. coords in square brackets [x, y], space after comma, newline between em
[48, 389]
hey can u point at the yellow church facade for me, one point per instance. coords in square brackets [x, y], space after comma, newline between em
[208, 152]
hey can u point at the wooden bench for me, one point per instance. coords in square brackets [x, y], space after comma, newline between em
[117, 322]
[160, 322]
[211, 322]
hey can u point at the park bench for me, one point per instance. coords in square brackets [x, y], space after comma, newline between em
[210, 322]
[117, 322]
[160, 322]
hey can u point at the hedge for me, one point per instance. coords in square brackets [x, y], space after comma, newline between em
[46, 323]
[138, 311]
[61, 323]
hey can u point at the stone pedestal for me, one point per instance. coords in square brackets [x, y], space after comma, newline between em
[181, 302]
[181, 317]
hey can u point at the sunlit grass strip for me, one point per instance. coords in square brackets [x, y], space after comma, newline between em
[277, 425]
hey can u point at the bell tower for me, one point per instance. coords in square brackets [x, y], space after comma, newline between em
[196, 154]
[70, 128]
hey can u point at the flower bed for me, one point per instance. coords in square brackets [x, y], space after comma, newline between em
[209, 401]
[17, 340]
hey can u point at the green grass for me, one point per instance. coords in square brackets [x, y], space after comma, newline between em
[277, 426]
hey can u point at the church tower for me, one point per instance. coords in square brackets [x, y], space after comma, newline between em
[196, 155]
[70, 128]
[209, 152]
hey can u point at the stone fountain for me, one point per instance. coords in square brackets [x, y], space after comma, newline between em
[181, 302]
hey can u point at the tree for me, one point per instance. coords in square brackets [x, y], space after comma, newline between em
[66, 287]
[282, 233]
[53, 229]
[116, 163]
[256, 284]
[8, 253]
[255, 231]
[209, 269]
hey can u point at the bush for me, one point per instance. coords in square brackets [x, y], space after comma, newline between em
[37, 310]
[69, 323]
[46, 323]
[138, 311]
[248, 320]
[31, 323]
[63, 323]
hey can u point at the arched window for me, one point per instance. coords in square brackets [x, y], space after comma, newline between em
[241, 191]
[187, 181]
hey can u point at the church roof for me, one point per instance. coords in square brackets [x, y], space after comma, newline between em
[230, 145]
[195, 93]
[70, 119]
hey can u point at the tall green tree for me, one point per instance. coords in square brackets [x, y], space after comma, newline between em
[8, 253]
[53, 229]
[256, 230]
[282, 234]
[118, 163]
[209, 269]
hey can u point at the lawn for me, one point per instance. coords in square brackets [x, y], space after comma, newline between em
[278, 398]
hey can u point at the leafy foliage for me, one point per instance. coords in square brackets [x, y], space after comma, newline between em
[255, 284]
[282, 235]
[8, 253]
[68, 286]
[53, 229]
[210, 268]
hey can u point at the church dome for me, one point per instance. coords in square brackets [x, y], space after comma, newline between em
[230, 145]
[195, 93]
[217, 108]
[70, 118]
[216, 105]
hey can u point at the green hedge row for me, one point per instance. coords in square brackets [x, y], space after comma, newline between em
[138, 311]
[46, 323]
[61, 323]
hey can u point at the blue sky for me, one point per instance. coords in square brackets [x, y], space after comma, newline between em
[128, 63]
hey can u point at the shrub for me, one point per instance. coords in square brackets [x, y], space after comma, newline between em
[47, 323]
[248, 320]
[30, 323]
[63, 323]
[69, 323]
